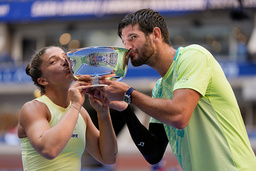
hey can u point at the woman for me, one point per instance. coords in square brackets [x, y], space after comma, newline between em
[54, 129]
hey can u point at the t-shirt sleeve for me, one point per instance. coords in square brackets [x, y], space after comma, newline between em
[194, 70]
[153, 120]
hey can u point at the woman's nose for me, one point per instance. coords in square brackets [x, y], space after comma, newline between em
[64, 61]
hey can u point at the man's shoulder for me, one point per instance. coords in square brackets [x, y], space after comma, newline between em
[194, 47]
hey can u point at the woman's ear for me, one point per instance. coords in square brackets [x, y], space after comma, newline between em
[42, 81]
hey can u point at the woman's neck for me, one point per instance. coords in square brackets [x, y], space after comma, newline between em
[58, 97]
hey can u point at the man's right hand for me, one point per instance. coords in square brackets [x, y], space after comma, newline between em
[115, 90]
[118, 105]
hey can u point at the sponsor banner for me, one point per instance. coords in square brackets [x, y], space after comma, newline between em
[13, 74]
[29, 11]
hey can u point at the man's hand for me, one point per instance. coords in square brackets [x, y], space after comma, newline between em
[115, 90]
[118, 105]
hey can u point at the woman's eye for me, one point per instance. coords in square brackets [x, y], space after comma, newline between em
[53, 61]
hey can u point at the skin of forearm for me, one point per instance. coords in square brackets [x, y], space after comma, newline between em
[107, 139]
[55, 139]
[163, 110]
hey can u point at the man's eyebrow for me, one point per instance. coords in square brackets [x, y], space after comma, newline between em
[131, 34]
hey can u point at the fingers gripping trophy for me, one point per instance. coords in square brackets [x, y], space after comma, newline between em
[108, 62]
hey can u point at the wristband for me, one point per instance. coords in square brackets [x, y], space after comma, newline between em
[76, 108]
[127, 96]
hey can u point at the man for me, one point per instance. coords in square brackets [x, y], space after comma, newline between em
[193, 101]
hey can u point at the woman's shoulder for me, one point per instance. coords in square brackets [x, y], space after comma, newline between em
[31, 112]
[33, 107]
[33, 104]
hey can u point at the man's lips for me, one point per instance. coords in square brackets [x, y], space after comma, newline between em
[131, 54]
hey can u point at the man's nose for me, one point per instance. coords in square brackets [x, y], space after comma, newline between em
[128, 45]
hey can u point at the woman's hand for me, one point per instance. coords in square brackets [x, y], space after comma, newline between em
[77, 92]
[97, 100]
[97, 93]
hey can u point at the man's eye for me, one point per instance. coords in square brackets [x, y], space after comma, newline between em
[133, 37]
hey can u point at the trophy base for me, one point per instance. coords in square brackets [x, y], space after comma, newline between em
[98, 85]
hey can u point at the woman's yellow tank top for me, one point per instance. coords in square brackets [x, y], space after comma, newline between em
[69, 158]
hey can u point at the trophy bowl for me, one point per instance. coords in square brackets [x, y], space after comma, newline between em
[98, 61]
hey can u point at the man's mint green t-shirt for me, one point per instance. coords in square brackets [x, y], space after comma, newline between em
[215, 138]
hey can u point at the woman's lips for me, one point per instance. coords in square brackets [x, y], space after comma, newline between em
[67, 70]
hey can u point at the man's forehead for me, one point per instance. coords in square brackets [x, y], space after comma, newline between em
[130, 29]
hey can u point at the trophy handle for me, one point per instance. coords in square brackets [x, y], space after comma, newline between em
[75, 77]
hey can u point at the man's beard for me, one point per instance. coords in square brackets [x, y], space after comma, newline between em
[144, 54]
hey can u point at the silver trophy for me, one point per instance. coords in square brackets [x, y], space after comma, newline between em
[110, 62]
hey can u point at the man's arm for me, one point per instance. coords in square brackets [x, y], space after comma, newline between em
[151, 143]
[175, 112]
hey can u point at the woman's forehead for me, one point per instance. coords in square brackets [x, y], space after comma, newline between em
[53, 51]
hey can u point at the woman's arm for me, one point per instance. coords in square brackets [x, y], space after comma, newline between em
[34, 120]
[102, 143]
[47, 141]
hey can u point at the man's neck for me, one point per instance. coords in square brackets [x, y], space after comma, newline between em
[165, 58]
